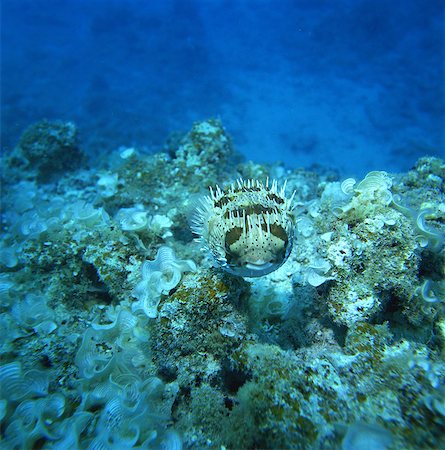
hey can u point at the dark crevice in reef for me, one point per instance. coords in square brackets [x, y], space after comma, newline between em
[98, 288]
[182, 398]
[232, 379]
[338, 330]
[392, 314]
[430, 265]
[228, 403]
[168, 372]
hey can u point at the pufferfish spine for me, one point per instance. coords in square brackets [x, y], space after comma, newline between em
[248, 227]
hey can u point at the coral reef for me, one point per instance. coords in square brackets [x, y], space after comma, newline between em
[119, 333]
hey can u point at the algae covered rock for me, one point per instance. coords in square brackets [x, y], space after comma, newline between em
[51, 148]
[205, 153]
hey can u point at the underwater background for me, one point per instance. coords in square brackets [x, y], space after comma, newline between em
[354, 85]
[297, 304]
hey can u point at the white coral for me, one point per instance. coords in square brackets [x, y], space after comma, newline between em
[133, 219]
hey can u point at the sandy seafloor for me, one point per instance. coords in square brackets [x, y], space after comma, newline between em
[116, 330]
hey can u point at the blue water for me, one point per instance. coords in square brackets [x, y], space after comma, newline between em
[354, 85]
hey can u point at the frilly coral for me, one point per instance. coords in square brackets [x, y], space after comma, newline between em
[159, 277]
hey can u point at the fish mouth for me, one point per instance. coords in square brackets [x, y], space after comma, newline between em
[253, 269]
[259, 266]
